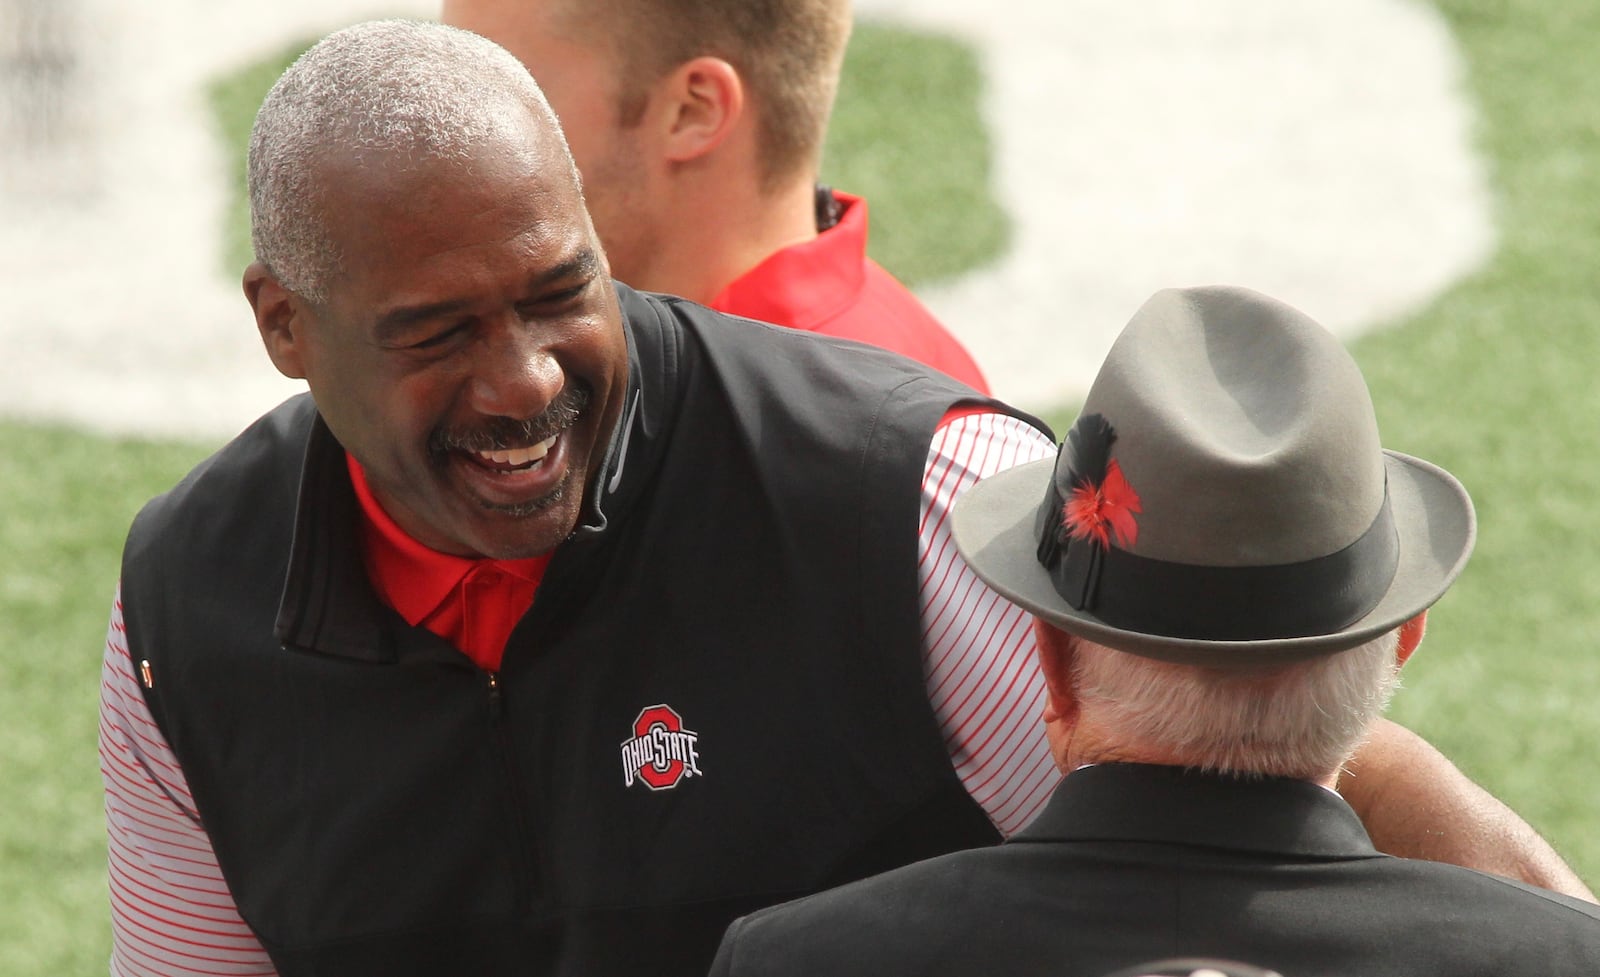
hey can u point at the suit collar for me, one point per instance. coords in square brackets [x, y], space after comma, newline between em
[1169, 805]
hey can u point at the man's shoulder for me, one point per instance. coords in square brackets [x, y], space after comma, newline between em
[886, 313]
[1511, 899]
[883, 311]
[1466, 921]
[829, 286]
[260, 462]
[694, 337]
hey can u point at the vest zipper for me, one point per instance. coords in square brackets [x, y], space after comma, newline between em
[523, 866]
[494, 701]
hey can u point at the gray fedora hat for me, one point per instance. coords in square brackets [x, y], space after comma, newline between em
[1223, 499]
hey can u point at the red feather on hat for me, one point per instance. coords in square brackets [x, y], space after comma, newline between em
[1098, 512]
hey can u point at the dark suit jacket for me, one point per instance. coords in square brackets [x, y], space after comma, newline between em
[1131, 863]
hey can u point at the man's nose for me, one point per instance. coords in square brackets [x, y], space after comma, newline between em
[515, 375]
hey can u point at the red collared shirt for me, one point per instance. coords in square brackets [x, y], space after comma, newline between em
[829, 286]
[473, 604]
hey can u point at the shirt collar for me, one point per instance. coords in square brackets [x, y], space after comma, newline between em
[330, 602]
[806, 284]
[408, 576]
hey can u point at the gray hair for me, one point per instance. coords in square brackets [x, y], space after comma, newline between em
[1299, 720]
[404, 89]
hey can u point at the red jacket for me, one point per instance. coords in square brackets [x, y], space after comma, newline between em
[829, 286]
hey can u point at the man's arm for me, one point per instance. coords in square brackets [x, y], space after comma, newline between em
[1416, 804]
[978, 652]
[171, 912]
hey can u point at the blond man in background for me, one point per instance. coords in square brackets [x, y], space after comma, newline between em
[698, 126]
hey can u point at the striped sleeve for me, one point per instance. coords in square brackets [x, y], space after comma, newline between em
[978, 649]
[171, 912]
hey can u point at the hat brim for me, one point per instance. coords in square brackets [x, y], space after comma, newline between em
[993, 527]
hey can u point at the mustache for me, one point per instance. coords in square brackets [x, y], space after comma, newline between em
[504, 433]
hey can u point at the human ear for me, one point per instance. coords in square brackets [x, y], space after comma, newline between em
[279, 319]
[1056, 657]
[1411, 634]
[1055, 663]
[704, 102]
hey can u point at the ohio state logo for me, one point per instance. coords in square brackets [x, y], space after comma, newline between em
[661, 752]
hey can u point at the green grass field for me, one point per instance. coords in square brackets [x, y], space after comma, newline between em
[1495, 382]
[1492, 381]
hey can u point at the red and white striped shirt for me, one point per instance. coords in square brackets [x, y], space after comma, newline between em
[172, 914]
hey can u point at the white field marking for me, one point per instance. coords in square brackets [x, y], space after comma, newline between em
[115, 309]
[1316, 150]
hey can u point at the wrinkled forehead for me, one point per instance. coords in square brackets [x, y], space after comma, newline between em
[440, 228]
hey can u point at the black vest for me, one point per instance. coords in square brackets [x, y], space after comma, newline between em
[716, 702]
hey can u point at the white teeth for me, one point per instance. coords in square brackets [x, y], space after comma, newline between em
[517, 457]
[541, 449]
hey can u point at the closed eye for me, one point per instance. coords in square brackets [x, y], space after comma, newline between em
[440, 338]
[552, 304]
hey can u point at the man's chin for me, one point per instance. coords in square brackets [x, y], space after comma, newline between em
[529, 509]
[525, 530]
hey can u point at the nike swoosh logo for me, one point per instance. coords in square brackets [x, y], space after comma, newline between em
[622, 453]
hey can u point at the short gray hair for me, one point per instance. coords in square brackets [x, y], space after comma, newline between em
[1301, 720]
[407, 89]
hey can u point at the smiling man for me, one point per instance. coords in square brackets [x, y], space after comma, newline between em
[461, 663]
[465, 346]
[559, 624]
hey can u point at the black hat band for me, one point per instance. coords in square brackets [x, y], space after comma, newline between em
[1253, 603]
